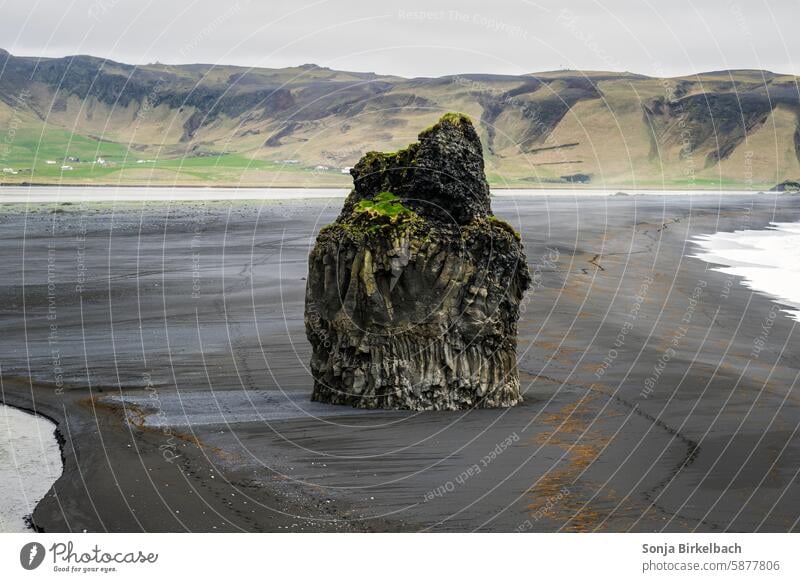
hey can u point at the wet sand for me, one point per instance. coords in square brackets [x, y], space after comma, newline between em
[167, 341]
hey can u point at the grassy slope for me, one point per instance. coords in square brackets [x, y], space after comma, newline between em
[603, 132]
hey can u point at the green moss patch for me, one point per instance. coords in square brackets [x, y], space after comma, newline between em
[451, 118]
[384, 205]
[380, 214]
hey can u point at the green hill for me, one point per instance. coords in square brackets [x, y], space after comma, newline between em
[83, 120]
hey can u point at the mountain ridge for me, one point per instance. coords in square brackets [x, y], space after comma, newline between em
[305, 125]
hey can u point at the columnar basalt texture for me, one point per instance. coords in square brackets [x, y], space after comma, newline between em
[413, 293]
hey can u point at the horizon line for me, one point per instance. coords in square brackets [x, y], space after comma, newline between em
[584, 72]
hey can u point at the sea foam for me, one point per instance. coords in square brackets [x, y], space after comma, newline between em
[30, 462]
[768, 260]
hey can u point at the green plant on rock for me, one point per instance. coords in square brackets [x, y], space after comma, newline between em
[452, 118]
[384, 210]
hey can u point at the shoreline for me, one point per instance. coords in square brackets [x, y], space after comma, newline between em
[58, 437]
[161, 194]
[753, 256]
[84, 414]
[577, 188]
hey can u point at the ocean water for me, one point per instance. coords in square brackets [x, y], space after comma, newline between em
[30, 462]
[768, 260]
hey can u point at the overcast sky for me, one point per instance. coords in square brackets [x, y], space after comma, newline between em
[414, 37]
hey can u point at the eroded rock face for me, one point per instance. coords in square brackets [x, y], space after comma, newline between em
[413, 293]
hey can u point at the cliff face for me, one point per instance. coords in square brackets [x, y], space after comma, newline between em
[413, 293]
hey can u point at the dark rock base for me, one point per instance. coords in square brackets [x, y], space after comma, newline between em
[417, 374]
[416, 320]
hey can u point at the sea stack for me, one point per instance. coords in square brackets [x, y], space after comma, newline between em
[413, 293]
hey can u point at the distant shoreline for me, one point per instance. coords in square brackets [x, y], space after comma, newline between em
[48, 195]
[554, 186]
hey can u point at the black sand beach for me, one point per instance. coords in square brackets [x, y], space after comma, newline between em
[167, 342]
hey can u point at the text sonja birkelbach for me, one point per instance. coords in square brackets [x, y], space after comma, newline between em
[691, 548]
[67, 558]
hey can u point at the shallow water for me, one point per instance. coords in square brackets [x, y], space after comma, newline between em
[30, 462]
[767, 260]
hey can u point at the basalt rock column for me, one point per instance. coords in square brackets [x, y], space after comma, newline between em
[413, 293]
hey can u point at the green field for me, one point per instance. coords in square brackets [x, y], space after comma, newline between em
[32, 149]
